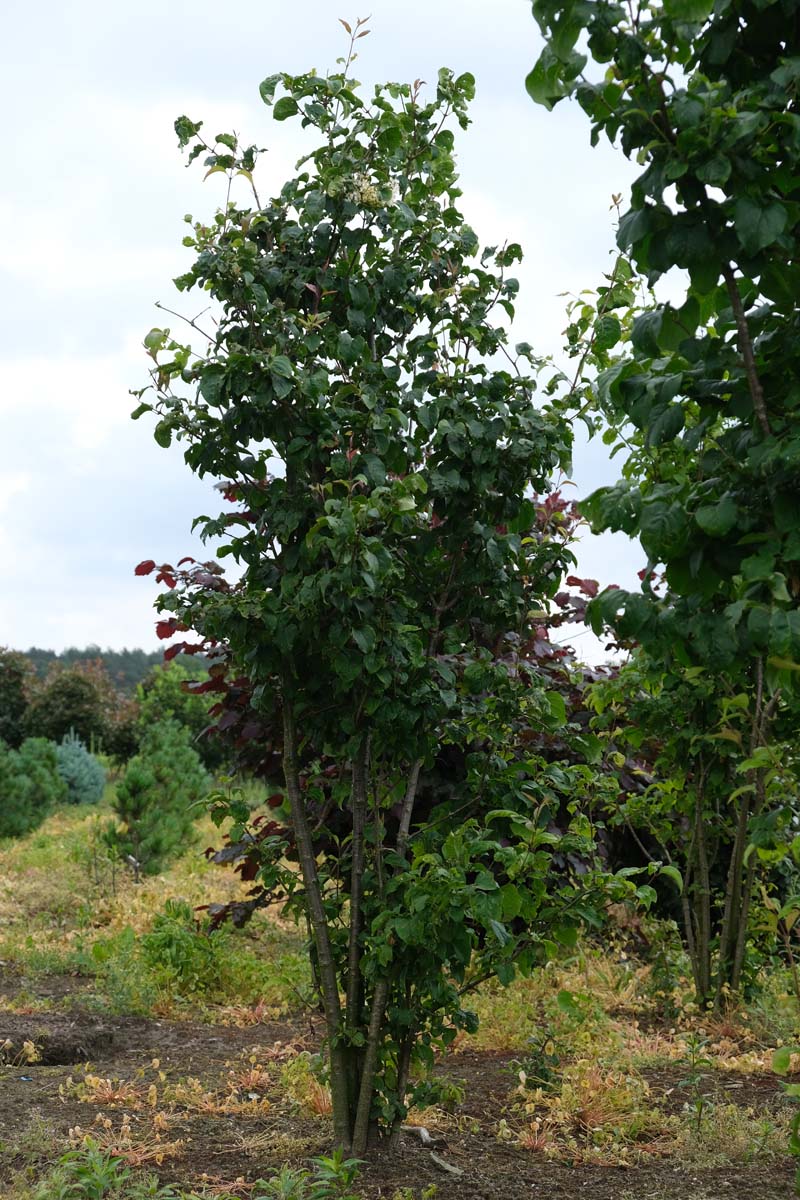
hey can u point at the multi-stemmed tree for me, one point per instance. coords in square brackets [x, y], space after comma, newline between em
[384, 449]
[704, 397]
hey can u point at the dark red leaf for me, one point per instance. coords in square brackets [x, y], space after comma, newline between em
[229, 719]
[144, 568]
[165, 629]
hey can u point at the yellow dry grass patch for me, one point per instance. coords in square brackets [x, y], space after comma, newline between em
[60, 891]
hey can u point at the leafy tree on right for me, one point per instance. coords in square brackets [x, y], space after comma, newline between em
[704, 395]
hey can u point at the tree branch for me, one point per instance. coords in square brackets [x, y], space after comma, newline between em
[746, 347]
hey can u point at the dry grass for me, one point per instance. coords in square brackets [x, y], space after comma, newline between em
[137, 1143]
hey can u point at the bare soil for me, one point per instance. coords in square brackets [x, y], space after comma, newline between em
[221, 1148]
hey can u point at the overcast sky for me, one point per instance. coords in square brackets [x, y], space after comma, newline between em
[92, 206]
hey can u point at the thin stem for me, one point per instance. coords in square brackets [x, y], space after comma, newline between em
[746, 347]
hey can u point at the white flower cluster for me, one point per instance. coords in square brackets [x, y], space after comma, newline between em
[363, 191]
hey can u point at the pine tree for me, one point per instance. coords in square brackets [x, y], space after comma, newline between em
[154, 798]
[30, 786]
[82, 773]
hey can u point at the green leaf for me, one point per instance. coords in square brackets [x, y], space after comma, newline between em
[267, 87]
[674, 874]
[163, 434]
[280, 365]
[645, 331]
[607, 332]
[718, 519]
[285, 107]
[688, 10]
[757, 225]
[715, 171]
[665, 424]
[782, 1058]
[511, 900]
[568, 1004]
[500, 932]
[186, 130]
[154, 341]
[552, 77]
[558, 708]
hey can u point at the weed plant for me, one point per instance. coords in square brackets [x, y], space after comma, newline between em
[90, 1173]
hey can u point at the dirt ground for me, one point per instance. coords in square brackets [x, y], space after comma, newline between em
[219, 1148]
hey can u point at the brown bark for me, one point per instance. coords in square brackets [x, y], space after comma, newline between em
[381, 994]
[319, 925]
[746, 347]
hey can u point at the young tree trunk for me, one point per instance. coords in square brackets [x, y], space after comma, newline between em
[732, 912]
[733, 938]
[403, 1072]
[747, 893]
[703, 902]
[319, 926]
[354, 1002]
[381, 993]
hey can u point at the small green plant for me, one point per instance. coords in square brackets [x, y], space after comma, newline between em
[539, 1068]
[541, 1065]
[84, 776]
[154, 799]
[439, 1091]
[85, 1174]
[328, 1179]
[177, 947]
[779, 920]
[781, 1062]
[697, 1064]
[304, 1079]
[407, 1193]
[93, 1174]
[128, 986]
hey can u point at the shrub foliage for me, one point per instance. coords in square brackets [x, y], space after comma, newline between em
[82, 773]
[154, 798]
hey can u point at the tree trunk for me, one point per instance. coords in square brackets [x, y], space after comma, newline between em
[733, 938]
[319, 925]
[370, 1065]
[358, 804]
[403, 1072]
[381, 994]
[703, 903]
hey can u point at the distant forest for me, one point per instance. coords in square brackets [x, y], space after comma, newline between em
[125, 667]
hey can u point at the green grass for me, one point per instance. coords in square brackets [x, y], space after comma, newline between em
[67, 908]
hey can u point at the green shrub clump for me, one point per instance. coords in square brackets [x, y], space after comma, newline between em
[155, 796]
[30, 785]
[84, 776]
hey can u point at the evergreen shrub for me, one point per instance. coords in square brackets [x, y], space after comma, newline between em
[84, 776]
[154, 798]
[30, 785]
